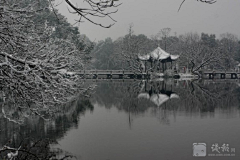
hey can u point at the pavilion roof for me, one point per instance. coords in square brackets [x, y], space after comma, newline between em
[158, 54]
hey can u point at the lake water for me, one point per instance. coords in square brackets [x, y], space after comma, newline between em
[138, 120]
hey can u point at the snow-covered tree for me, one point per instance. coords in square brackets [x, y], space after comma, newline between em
[198, 54]
[36, 68]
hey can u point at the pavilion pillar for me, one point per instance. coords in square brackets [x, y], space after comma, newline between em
[159, 65]
[151, 65]
[145, 66]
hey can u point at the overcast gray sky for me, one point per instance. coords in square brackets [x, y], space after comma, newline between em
[150, 16]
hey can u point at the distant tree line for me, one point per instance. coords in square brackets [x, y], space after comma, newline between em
[197, 52]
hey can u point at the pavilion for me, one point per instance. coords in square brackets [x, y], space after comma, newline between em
[158, 55]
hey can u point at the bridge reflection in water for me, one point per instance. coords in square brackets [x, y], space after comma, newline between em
[127, 126]
[220, 75]
[129, 74]
[174, 103]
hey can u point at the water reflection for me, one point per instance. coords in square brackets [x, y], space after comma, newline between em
[36, 129]
[190, 96]
[131, 114]
[127, 123]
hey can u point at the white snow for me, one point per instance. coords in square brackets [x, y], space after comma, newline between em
[158, 54]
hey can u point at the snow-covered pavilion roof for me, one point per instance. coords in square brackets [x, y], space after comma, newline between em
[158, 54]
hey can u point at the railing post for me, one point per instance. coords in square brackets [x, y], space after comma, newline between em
[233, 75]
[96, 74]
[223, 75]
[211, 76]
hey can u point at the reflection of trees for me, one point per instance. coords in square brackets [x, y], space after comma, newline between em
[121, 95]
[195, 97]
[125, 97]
[35, 128]
[37, 149]
[207, 96]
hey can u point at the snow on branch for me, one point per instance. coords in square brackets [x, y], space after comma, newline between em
[36, 69]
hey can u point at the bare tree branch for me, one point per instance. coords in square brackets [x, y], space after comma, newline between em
[96, 9]
[204, 1]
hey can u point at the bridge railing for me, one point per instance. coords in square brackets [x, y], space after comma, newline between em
[108, 72]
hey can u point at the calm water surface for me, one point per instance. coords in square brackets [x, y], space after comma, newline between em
[138, 120]
[125, 125]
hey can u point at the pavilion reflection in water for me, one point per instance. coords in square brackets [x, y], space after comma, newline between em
[167, 98]
[158, 97]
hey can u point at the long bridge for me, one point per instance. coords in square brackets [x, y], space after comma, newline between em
[131, 74]
[113, 74]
